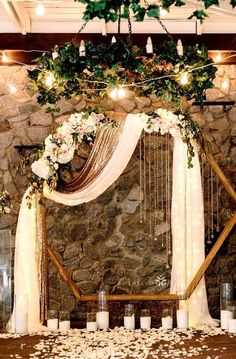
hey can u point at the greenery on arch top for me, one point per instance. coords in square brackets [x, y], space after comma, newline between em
[107, 66]
[111, 10]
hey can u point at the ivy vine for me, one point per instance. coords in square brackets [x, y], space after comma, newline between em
[108, 65]
[111, 10]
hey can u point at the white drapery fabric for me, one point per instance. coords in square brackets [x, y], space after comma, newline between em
[127, 142]
[26, 269]
[187, 225]
[26, 253]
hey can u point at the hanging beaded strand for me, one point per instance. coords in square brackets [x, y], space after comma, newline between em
[141, 190]
[144, 180]
[150, 195]
[212, 204]
[156, 197]
[217, 205]
[162, 187]
[168, 203]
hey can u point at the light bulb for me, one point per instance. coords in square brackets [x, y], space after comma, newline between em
[113, 93]
[225, 84]
[163, 11]
[49, 80]
[40, 10]
[113, 40]
[180, 48]
[12, 88]
[184, 78]
[4, 57]
[218, 57]
[121, 93]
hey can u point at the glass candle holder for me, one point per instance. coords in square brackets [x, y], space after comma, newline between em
[226, 299]
[232, 319]
[52, 319]
[145, 319]
[167, 318]
[102, 316]
[21, 313]
[64, 320]
[91, 324]
[129, 318]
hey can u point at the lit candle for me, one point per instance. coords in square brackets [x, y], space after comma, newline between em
[180, 48]
[182, 319]
[232, 326]
[167, 322]
[145, 323]
[52, 324]
[129, 322]
[21, 313]
[82, 50]
[149, 47]
[113, 40]
[225, 316]
[91, 326]
[55, 53]
[102, 320]
[64, 325]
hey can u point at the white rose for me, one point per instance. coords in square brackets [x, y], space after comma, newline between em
[42, 168]
[65, 156]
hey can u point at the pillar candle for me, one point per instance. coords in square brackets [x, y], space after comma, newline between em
[64, 325]
[167, 322]
[182, 319]
[225, 316]
[149, 47]
[91, 326]
[52, 324]
[145, 323]
[232, 326]
[21, 323]
[129, 322]
[102, 320]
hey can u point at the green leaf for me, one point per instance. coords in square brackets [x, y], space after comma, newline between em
[179, 3]
[209, 3]
[153, 11]
[199, 14]
[233, 3]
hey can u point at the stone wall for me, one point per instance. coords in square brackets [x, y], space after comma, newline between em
[104, 241]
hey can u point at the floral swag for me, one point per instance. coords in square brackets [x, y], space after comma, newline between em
[60, 146]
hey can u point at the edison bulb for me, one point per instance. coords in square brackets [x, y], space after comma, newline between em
[225, 84]
[163, 11]
[4, 57]
[12, 88]
[121, 93]
[184, 78]
[49, 80]
[218, 57]
[40, 10]
[113, 94]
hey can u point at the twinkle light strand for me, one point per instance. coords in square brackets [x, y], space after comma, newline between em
[6, 59]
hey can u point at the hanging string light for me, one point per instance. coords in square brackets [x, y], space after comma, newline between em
[117, 93]
[218, 57]
[49, 79]
[184, 78]
[4, 57]
[40, 10]
[12, 88]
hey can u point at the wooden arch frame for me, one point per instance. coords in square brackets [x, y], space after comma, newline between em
[125, 297]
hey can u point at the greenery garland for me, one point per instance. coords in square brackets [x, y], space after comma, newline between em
[108, 65]
[113, 10]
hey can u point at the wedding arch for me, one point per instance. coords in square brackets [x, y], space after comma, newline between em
[113, 147]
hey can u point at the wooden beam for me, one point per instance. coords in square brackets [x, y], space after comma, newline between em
[127, 297]
[23, 17]
[198, 276]
[17, 15]
[224, 180]
[64, 273]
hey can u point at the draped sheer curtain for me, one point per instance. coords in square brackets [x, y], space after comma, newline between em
[109, 157]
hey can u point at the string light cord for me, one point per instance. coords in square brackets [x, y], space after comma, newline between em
[135, 84]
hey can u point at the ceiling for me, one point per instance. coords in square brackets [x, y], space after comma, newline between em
[18, 16]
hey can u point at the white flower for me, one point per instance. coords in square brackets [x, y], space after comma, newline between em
[42, 168]
[7, 209]
[65, 154]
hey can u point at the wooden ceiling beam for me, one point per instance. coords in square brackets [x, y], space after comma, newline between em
[17, 15]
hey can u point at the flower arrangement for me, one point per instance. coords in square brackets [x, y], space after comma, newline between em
[60, 147]
[5, 202]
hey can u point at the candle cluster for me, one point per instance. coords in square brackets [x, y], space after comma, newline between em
[228, 311]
